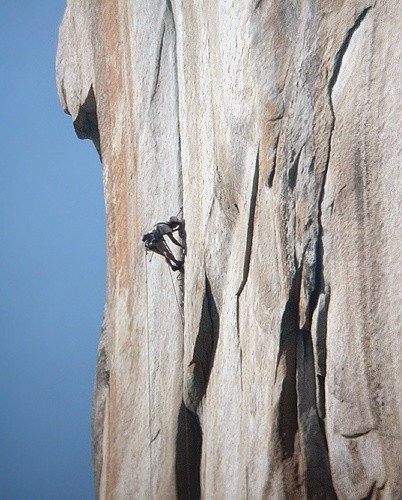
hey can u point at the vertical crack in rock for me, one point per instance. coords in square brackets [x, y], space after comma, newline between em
[319, 278]
[271, 175]
[301, 435]
[169, 9]
[299, 391]
[286, 364]
[188, 455]
[250, 226]
[158, 63]
[277, 119]
[342, 51]
[332, 81]
[373, 492]
[320, 345]
[204, 349]
[189, 433]
[319, 284]
[258, 4]
[313, 444]
[247, 253]
[293, 170]
[86, 122]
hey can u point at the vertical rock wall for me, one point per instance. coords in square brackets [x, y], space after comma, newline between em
[273, 370]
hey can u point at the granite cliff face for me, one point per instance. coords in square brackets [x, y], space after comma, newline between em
[273, 370]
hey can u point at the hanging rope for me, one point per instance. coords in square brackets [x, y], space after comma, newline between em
[179, 305]
[179, 279]
[149, 383]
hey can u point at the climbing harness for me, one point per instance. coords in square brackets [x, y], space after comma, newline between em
[155, 241]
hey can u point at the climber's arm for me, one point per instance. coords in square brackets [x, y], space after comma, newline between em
[175, 241]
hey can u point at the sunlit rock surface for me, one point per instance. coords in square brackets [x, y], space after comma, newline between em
[272, 367]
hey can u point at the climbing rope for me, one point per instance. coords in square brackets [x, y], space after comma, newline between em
[180, 279]
[149, 383]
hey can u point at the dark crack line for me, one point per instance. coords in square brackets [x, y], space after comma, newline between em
[158, 63]
[271, 175]
[373, 489]
[258, 4]
[356, 434]
[250, 227]
[156, 435]
[169, 8]
[290, 320]
[188, 455]
[332, 81]
[247, 254]
[294, 169]
[342, 51]
[319, 280]
[319, 277]
[189, 434]
[277, 118]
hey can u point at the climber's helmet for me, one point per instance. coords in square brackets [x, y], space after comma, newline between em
[173, 221]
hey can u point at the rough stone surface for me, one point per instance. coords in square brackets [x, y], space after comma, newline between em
[276, 126]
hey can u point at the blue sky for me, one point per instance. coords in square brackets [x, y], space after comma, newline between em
[52, 268]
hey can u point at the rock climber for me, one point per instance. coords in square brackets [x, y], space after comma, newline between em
[155, 241]
[169, 227]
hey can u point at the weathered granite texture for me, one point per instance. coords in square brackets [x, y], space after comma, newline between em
[276, 126]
